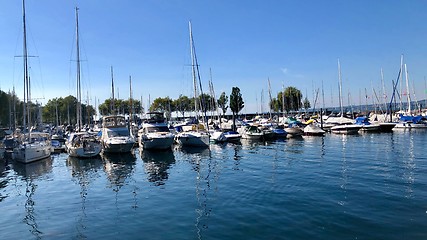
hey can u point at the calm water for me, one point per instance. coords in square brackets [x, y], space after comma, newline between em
[370, 186]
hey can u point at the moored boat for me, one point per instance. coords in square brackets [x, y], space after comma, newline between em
[115, 136]
[155, 133]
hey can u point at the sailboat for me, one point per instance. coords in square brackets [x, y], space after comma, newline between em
[408, 121]
[81, 144]
[196, 134]
[32, 146]
[344, 125]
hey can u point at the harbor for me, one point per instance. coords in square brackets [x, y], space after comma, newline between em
[364, 186]
[290, 120]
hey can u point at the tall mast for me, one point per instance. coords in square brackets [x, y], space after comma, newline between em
[340, 88]
[269, 94]
[112, 92]
[193, 70]
[26, 78]
[408, 94]
[384, 93]
[401, 77]
[79, 90]
[130, 100]
[196, 77]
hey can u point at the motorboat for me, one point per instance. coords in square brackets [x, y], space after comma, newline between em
[312, 129]
[251, 132]
[194, 135]
[115, 136]
[367, 126]
[155, 133]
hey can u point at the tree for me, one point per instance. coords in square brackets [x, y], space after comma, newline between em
[163, 105]
[206, 102]
[183, 104]
[236, 104]
[288, 100]
[222, 102]
[306, 103]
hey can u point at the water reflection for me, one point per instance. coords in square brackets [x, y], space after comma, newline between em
[118, 168]
[29, 173]
[4, 171]
[206, 169]
[156, 165]
[251, 144]
[84, 172]
[409, 166]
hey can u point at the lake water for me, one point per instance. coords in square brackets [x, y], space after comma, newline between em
[366, 186]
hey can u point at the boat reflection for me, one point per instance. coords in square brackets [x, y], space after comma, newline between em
[29, 173]
[80, 167]
[4, 169]
[156, 165]
[118, 167]
[84, 171]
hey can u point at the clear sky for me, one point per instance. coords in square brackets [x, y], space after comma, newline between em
[244, 43]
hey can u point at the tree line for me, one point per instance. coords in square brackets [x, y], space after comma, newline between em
[62, 111]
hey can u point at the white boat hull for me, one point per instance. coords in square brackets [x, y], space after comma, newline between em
[313, 130]
[346, 129]
[32, 152]
[192, 139]
[157, 143]
[94, 149]
[117, 147]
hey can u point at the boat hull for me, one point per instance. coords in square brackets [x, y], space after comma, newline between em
[114, 147]
[85, 152]
[157, 143]
[346, 129]
[196, 139]
[32, 152]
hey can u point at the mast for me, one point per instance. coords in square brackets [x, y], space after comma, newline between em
[283, 100]
[26, 112]
[79, 90]
[408, 95]
[193, 70]
[340, 88]
[384, 90]
[401, 77]
[269, 94]
[112, 91]
[130, 100]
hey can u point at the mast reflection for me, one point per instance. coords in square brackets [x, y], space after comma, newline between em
[29, 173]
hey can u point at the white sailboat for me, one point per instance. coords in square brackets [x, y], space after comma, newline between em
[344, 125]
[81, 144]
[33, 145]
[195, 135]
[408, 121]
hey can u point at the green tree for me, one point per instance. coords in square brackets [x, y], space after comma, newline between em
[222, 102]
[306, 103]
[163, 105]
[183, 104]
[288, 100]
[206, 102]
[236, 104]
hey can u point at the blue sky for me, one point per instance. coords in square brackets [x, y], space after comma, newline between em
[244, 43]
